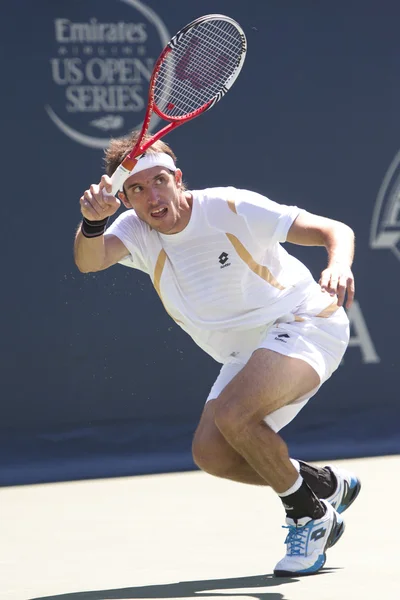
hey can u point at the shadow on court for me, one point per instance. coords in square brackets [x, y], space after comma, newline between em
[188, 589]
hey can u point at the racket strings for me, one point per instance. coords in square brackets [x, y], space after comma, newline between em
[199, 81]
[214, 42]
[197, 68]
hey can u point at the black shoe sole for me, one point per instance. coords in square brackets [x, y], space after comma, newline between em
[335, 535]
[351, 495]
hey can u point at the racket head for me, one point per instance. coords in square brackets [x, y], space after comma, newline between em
[197, 67]
[193, 72]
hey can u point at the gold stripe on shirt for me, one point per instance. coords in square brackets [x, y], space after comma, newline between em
[329, 310]
[162, 257]
[160, 264]
[258, 269]
[232, 205]
[324, 314]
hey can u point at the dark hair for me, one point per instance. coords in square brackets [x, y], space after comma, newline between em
[119, 148]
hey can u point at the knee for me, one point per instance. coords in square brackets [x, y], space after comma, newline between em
[238, 424]
[215, 460]
[231, 417]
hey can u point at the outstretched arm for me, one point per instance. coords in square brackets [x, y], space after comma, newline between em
[312, 230]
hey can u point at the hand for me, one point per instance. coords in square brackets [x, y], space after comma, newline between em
[98, 202]
[337, 279]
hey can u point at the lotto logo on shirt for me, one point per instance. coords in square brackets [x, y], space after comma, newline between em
[100, 65]
[223, 260]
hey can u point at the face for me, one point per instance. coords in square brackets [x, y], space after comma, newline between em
[157, 198]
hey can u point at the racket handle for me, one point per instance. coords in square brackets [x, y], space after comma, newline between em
[121, 174]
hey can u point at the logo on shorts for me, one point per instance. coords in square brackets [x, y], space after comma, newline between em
[385, 225]
[223, 259]
[280, 336]
[100, 66]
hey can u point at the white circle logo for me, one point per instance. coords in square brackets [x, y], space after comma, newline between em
[101, 71]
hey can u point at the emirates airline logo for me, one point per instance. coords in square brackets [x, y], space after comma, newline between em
[100, 66]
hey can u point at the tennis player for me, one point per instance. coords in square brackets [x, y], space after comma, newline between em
[216, 260]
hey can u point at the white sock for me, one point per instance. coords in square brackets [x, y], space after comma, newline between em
[296, 486]
[296, 464]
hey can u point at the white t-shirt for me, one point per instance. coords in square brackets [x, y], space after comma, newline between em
[225, 278]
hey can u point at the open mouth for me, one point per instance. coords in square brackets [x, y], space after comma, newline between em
[159, 213]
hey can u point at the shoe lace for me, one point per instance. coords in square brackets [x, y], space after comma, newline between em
[296, 540]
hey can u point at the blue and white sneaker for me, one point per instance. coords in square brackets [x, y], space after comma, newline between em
[348, 488]
[307, 542]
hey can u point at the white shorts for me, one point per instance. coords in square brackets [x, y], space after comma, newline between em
[320, 342]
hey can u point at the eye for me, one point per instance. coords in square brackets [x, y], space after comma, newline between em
[160, 179]
[137, 189]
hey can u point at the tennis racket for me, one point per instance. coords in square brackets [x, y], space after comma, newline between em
[194, 71]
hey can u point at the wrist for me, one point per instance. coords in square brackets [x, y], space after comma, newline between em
[91, 229]
[343, 262]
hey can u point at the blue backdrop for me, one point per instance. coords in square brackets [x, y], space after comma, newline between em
[96, 379]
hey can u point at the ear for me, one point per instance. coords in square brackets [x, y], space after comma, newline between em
[178, 178]
[124, 200]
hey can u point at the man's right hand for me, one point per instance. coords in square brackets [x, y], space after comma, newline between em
[98, 202]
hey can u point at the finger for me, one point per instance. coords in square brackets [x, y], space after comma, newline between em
[351, 290]
[88, 212]
[327, 284]
[341, 290]
[324, 279]
[106, 184]
[108, 198]
[97, 200]
[86, 201]
[333, 284]
[88, 207]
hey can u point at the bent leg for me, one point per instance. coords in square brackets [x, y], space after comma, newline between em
[268, 382]
[214, 455]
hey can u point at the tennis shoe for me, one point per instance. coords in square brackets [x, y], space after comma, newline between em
[307, 542]
[347, 490]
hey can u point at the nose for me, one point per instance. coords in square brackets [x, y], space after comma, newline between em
[154, 197]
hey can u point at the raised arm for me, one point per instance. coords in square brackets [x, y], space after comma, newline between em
[94, 251]
[312, 230]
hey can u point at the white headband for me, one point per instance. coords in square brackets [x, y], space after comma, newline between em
[153, 159]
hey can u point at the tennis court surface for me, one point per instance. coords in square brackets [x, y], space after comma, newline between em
[187, 535]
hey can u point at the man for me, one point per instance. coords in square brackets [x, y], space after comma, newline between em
[215, 259]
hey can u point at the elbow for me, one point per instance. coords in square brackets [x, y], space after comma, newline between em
[82, 269]
[341, 230]
[86, 268]
[86, 264]
[349, 231]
